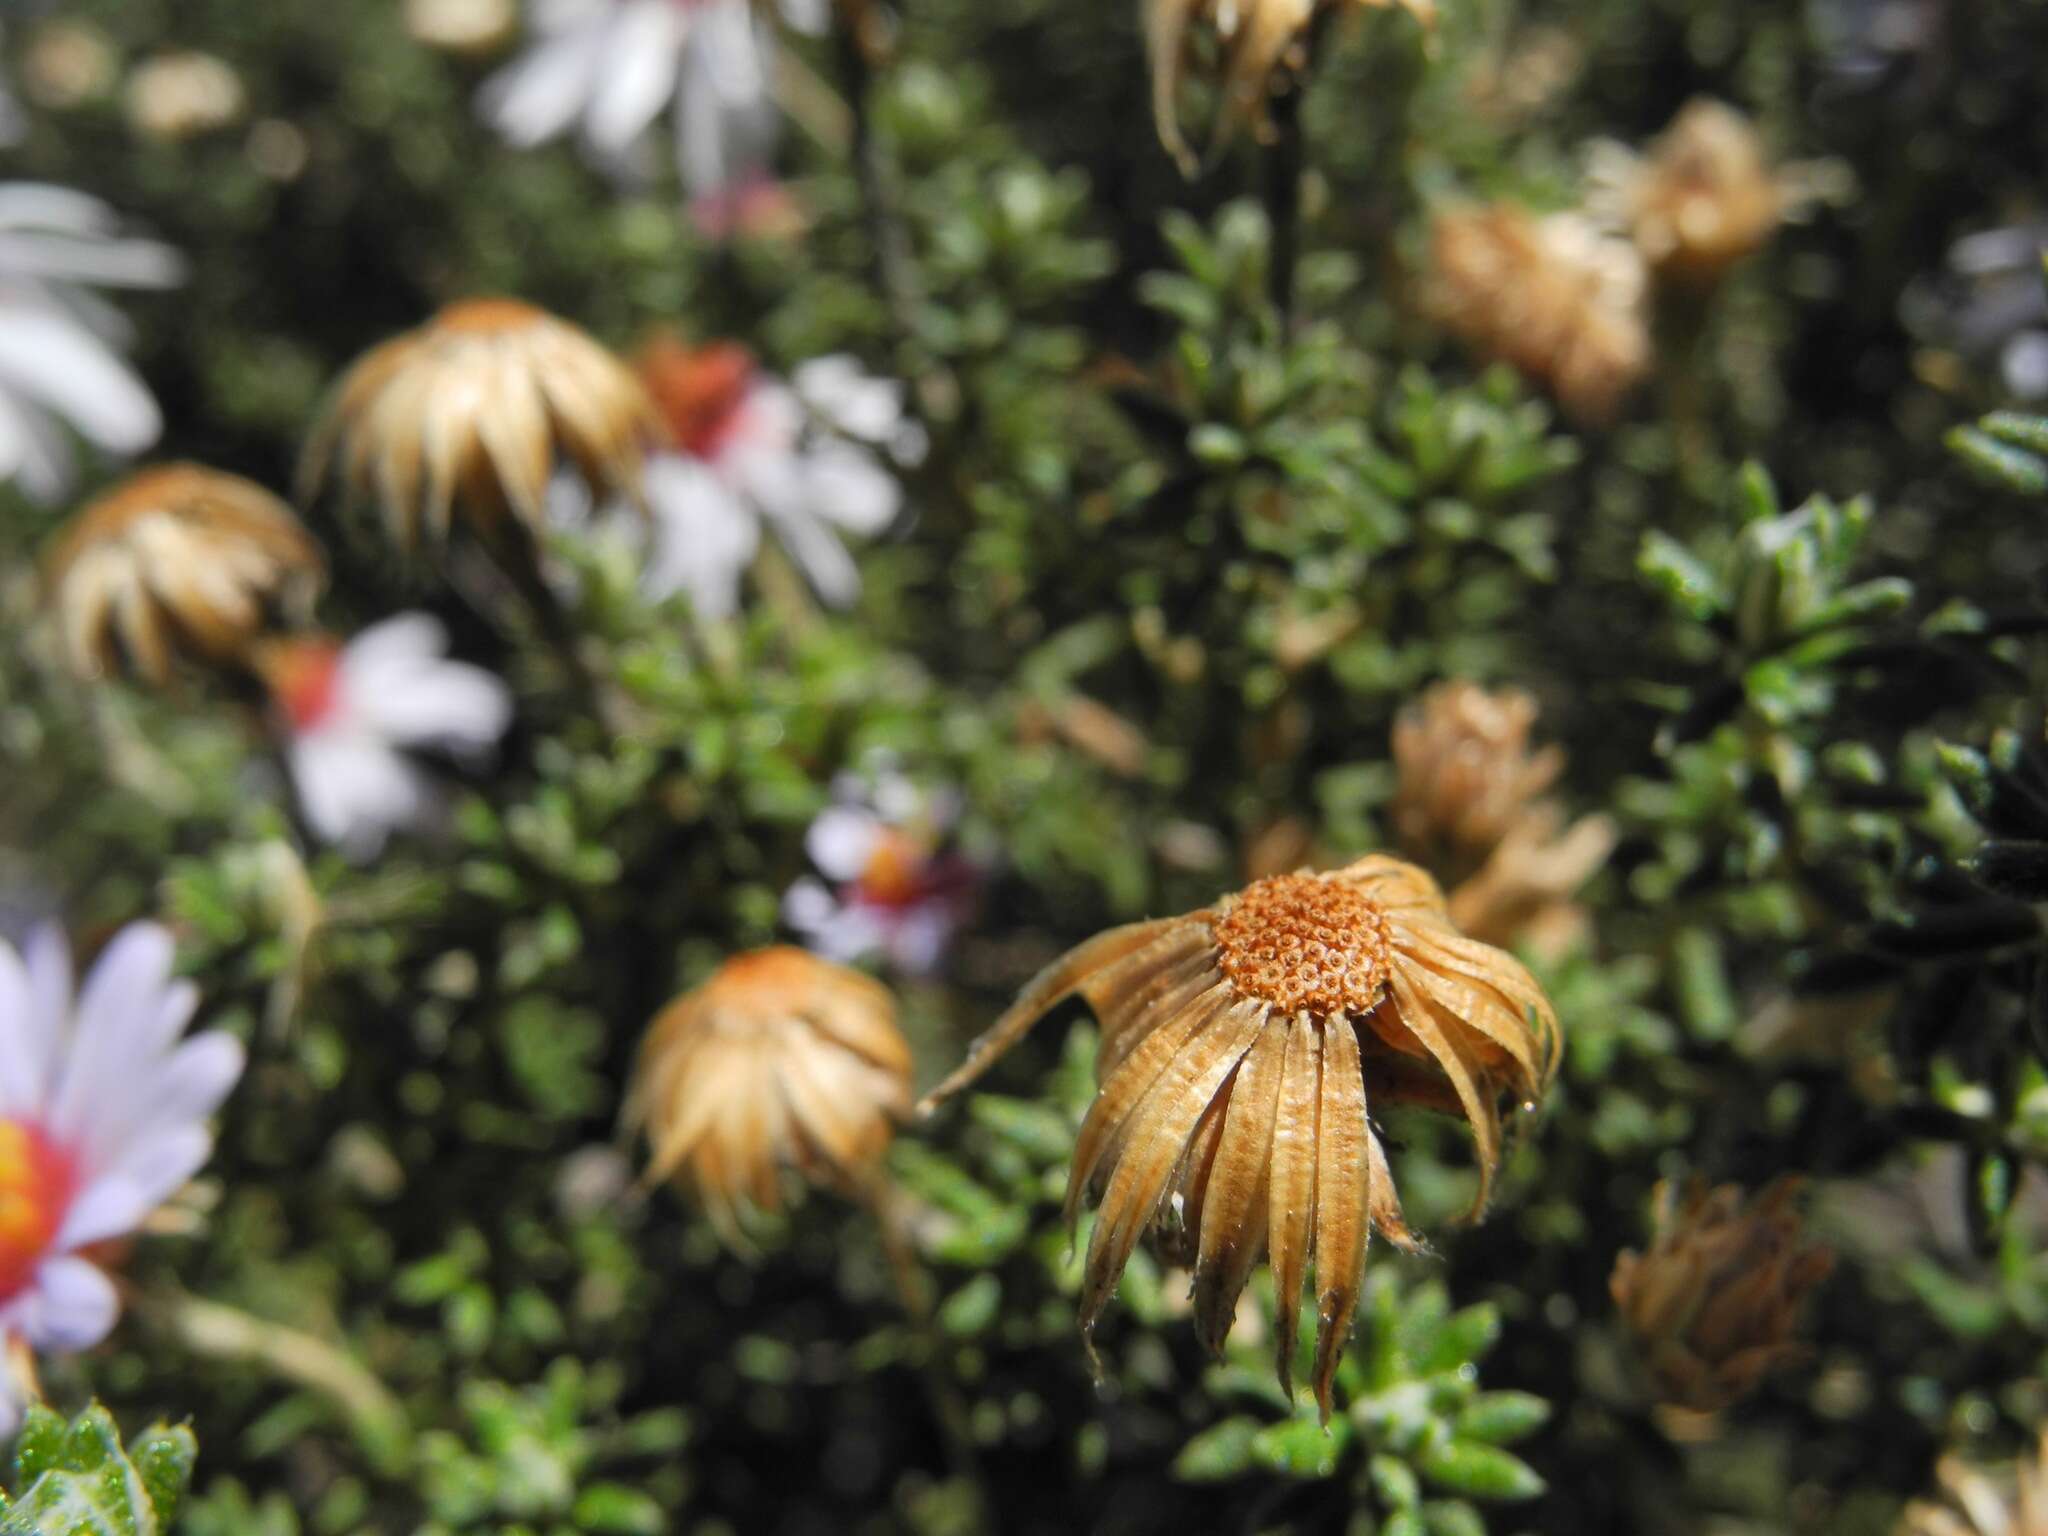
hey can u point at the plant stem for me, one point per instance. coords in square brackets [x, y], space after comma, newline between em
[893, 275]
[225, 1333]
[1284, 166]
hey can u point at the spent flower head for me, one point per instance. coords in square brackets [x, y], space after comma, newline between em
[1713, 1305]
[780, 1061]
[1244, 1047]
[178, 559]
[1550, 295]
[470, 415]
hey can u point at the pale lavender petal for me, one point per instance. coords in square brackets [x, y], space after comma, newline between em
[841, 841]
[77, 1305]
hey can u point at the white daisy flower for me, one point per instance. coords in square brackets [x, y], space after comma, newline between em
[103, 1114]
[353, 713]
[809, 460]
[891, 886]
[59, 358]
[610, 67]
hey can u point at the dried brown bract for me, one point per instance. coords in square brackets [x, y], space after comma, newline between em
[1258, 39]
[1243, 1047]
[1549, 295]
[472, 413]
[1467, 805]
[1980, 1501]
[780, 1060]
[1701, 199]
[1714, 1304]
[175, 559]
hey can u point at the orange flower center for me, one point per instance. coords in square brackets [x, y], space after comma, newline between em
[36, 1181]
[1305, 944]
[471, 317]
[303, 677]
[895, 875]
[699, 390]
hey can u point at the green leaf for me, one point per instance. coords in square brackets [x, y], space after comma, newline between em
[1221, 1451]
[1301, 1447]
[1464, 1337]
[1500, 1418]
[969, 1310]
[1479, 1471]
[1684, 579]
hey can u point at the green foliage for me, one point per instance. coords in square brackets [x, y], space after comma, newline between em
[78, 1479]
[1172, 566]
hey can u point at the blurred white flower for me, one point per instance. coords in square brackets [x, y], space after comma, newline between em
[102, 1117]
[611, 67]
[1991, 306]
[58, 339]
[891, 888]
[464, 27]
[183, 95]
[810, 460]
[352, 713]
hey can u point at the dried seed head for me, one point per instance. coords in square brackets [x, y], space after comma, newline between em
[1549, 295]
[178, 560]
[1306, 945]
[1714, 1304]
[472, 414]
[780, 1061]
[1244, 1048]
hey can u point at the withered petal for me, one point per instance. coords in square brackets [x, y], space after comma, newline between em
[1234, 1210]
[1292, 1199]
[1161, 1126]
[1045, 991]
[1344, 1193]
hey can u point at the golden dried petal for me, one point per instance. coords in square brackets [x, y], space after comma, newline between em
[1102, 1132]
[1046, 991]
[1292, 1199]
[1436, 1033]
[1161, 1126]
[1233, 1232]
[1344, 1194]
[1143, 1008]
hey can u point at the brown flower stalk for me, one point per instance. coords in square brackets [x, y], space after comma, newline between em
[1243, 1047]
[175, 559]
[1548, 295]
[1259, 38]
[1714, 1304]
[471, 414]
[780, 1060]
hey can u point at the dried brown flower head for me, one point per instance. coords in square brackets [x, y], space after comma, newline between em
[1703, 197]
[780, 1060]
[1243, 1046]
[1466, 774]
[1549, 295]
[1714, 1304]
[1466, 805]
[1979, 1501]
[472, 413]
[1258, 39]
[177, 558]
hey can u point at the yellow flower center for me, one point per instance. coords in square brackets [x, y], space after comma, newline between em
[35, 1188]
[1306, 944]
